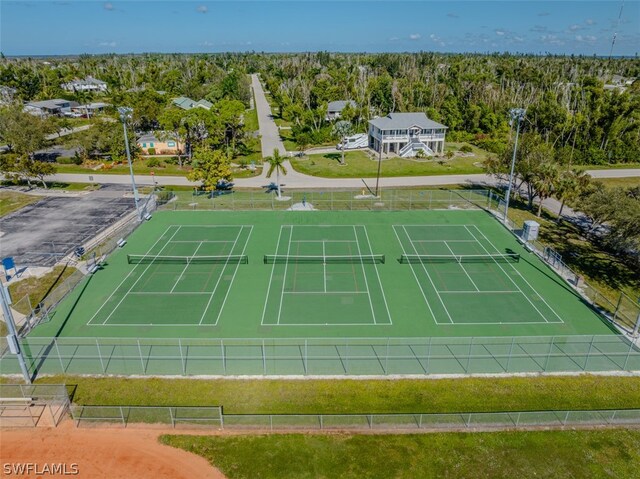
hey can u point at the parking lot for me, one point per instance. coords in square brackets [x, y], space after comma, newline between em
[42, 233]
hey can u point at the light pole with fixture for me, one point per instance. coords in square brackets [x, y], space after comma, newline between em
[125, 114]
[517, 115]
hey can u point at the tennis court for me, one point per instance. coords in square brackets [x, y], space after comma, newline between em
[323, 275]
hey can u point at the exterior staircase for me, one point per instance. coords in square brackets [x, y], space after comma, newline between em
[410, 149]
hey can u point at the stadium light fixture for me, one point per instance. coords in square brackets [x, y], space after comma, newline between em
[125, 114]
[517, 115]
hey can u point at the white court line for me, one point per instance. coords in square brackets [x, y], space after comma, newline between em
[130, 273]
[164, 293]
[244, 248]
[440, 241]
[524, 279]
[375, 266]
[284, 279]
[206, 308]
[273, 268]
[480, 292]
[325, 292]
[141, 276]
[364, 273]
[428, 276]
[185, 268]
[416, 276]
[322, 241]
[324, 266]
[463, 268]
[201, 241]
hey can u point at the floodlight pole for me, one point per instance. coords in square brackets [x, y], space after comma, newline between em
[125, 114]
[12, 337]
[516, 114]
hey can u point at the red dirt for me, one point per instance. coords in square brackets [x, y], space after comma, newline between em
[101, 453]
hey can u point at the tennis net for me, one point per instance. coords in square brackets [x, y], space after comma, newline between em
[319, 259]
[463, 258]
[222, 259]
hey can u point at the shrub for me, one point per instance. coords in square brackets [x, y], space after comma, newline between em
[154, 163]
[466, 149]
[151, 151]
[172, 160]
[69, 161]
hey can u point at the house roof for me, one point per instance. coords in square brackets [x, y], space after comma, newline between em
[152, 136]
[340, 104]
[203, 104]
[50, 104]
[183, 102]
[401, 121]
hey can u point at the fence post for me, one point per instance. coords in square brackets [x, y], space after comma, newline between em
[386, 358]
[346, 359]
[426, 369]
[546, 362]
[626, 360]
[224, 361]
[173, 422]
[321, 422]
[184, 366]
[55, 341]
[264, 360]
[144, 368]
[615, 312]
[305, 358]
[420, 421]
[566, 418]
[466, 369]
[586, 361]
[513, 340]
[100, 356]
[124, 423]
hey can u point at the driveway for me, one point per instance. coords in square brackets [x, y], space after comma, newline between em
[270, 136]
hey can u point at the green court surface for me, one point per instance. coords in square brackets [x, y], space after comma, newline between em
[322, 275]
[323, 293]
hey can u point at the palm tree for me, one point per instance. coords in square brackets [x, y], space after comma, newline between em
[276, 163]
[571, 185]
[544, 182]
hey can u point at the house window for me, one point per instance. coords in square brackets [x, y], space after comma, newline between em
[171, 144]
[150, 145]
[144, 145]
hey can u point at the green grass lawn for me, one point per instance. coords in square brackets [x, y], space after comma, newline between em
[361, 396]
[11, 201]
[139, 167]
[619, 182]
[251, 120]
[606, 271]
[613, 166]
[361, 165]
[37, 287]
[611, 453]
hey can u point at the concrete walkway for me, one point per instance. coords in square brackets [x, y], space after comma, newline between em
[269, 134]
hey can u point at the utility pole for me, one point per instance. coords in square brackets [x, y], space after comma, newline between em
[379, 167]
[517, 115]
[125, 114]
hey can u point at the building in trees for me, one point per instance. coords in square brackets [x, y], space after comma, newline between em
[159, 143]
[88, 84]
[405, 134]
[187, 103]
[55, 107]
[334, 108]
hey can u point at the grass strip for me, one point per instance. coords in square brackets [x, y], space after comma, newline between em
[264, 396]
[539, 454]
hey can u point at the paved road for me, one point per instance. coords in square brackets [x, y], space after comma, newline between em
[270, 137]
[299, 180]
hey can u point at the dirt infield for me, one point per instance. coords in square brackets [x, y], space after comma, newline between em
[100, 453]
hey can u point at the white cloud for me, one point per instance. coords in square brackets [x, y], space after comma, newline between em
[500, 32]
[206, 43]
[415, 36]
[586, 38]
[436, 39]
[394, 39]
[575, 28]
[107, 44]
[202, 9]
[108, 6]
[590, 21]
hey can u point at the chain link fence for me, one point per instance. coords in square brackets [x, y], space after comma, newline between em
[32, 405]
[327, 357]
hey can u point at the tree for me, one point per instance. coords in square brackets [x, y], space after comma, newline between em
[342, 129]
[571, 184]
[544, 181]
[209, 167]
[22, 132]
[303, 141]
[276, 163]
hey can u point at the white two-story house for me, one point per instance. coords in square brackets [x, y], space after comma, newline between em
[405, 134]
[88, 84]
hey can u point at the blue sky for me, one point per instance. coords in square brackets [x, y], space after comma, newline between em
[559, 27]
